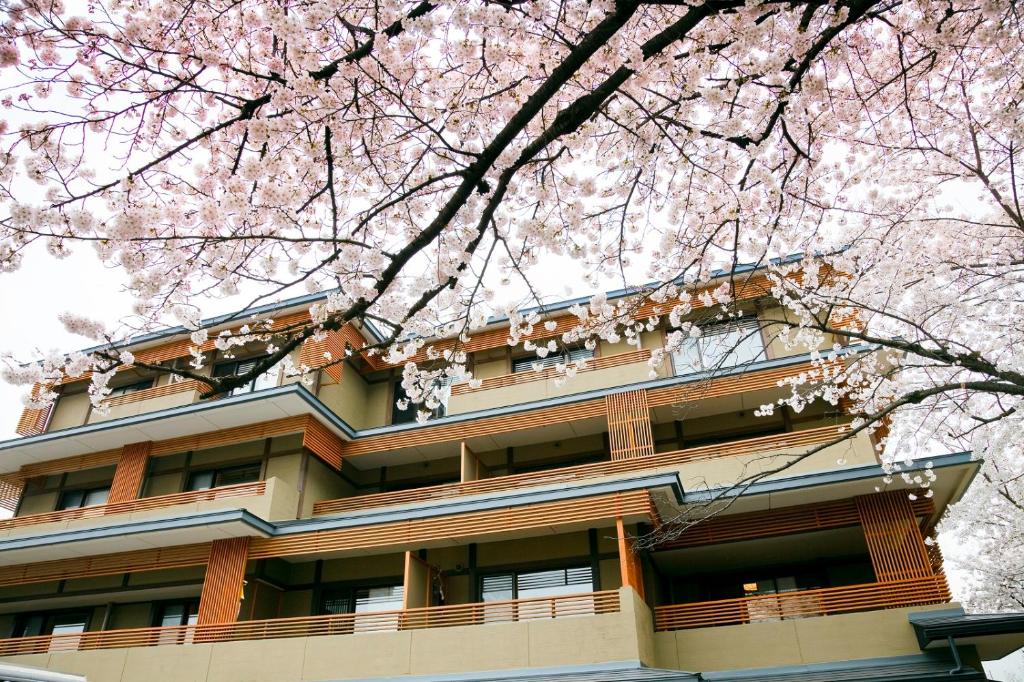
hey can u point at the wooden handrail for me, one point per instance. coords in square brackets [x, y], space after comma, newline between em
[822, 602]
[142, 504]
[802, 438]
[583, 604]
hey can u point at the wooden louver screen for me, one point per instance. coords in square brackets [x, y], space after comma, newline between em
[11, 488]
[893, 537]
[629, 425]
[222, 587]
[130, 471]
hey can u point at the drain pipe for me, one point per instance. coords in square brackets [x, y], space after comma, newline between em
[956, 656]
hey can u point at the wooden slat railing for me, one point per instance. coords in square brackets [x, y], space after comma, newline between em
[145, 503]
[823, 602]
[793, 439]
[585, 604]
[183, 386]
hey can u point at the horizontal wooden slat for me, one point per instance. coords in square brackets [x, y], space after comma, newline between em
[142, 504]
[604, 362]
[321, 442]
[157, 392]
[458, 526]
[831, 600]
[585, 604]
[105, 564]
[794, 439]
[172, 446]
[769, 523]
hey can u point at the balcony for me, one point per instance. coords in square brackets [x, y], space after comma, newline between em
[761, 446]
[269, 499]
[803, 604]
[511, 611]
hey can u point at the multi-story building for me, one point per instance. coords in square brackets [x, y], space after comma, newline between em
[295, 531]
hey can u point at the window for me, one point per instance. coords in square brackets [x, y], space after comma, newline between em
[54, 623]
[175, 615]
[720, 345]
[85, 497]
[512, 585]
[399, 416]
[527, 362]
[217, 478]
[365, 600]
[131, 388]
[170, 614]
[237, 367]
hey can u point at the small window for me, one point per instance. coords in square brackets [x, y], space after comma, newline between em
[367, 601]
[131, 388]
[527, 584]
[217, 478]
[238, 367]
[400, 416]
[170, 614]
[86, 497]
[729, 344]
[500, 588]
[55, 623]
[528, 363]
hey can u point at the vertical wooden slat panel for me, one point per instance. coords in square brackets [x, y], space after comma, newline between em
[222, 586]
[33, 420]
[131, 469]
[893, 537]
[629, 425]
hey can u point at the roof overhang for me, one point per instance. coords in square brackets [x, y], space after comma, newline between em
[213, 415]
[22, 673]
[993, 634]
[954, 473]
[133, 535]
[920, 668]
[294, 399]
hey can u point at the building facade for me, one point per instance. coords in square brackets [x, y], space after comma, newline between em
[532, 528]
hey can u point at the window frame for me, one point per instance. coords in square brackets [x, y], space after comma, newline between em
[517, 572]
[398, 393]
[217, 471]
[134, 387]
[249, 387]
[48, 617]
[750, 324]
[522, 363]
[85, 492]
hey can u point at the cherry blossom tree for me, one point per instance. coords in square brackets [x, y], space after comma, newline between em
[413, 157]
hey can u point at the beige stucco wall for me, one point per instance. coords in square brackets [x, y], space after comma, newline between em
[144, 406]
[855, 451]
[774, 334]
[347, 398]
[790, 642]
[621, 636]
[540, 389]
